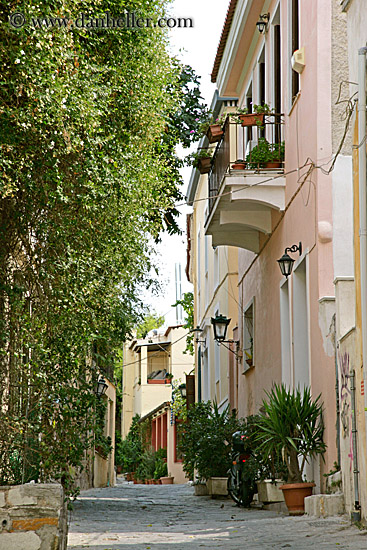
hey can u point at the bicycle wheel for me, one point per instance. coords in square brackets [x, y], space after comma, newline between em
[234, 488]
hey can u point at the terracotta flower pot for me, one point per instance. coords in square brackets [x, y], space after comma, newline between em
[214, 133]
[252, 119]
[167, 480]
[204, 165]
[294, 496]
[239, 166]
[273, 164]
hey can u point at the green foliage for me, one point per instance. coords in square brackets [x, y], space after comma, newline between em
[265, 152]
[129, 451]
[291, 426]
[178, 404]
[205, 440]
[161, 469]
[262, 109]
[187, 303]
[88, 177]
[147, 465]
[150, 322]
[194, 158]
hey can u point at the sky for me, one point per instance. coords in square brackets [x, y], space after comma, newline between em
[196, 47]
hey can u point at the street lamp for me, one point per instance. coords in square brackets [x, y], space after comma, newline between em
[262, 24]
[198, 330]
[286, 262]
[101, 387]
[220, 324]
[182, 388]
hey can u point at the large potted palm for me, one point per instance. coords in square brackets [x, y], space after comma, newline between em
[291, 425]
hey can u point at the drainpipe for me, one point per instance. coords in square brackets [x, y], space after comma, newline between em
[356, 515]
[199, 374]
[363, 210]
[337, 390]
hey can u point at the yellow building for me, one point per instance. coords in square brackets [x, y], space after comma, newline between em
[149, 368]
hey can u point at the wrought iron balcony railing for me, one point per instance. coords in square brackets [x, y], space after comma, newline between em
[247, 150]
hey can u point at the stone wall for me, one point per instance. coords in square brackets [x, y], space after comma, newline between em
[33, 517]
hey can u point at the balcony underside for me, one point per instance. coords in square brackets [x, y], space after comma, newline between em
[243, 209]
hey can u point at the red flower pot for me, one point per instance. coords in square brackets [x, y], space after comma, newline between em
[214, 133]
[252, 119]
[294, 496]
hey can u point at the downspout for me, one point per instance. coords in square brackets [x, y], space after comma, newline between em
[363, 210]
[356, 515]
[336, 390]
[199, 374]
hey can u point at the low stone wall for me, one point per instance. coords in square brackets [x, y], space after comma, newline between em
[33, 517]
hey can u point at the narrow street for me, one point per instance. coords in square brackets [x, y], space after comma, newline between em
[151, 517]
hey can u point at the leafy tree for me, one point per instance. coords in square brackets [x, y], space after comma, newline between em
[187, 303]
[150, 322]
[86, 181]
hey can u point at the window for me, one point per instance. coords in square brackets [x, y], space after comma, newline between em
[277, 75]
[216, 267]
[248, 336]
[300, 327]
[295, 44]
[261, 90]
[206, 268]
[285, 335]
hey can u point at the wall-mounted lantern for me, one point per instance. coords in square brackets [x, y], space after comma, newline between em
[286, 262]
[101, 387]
[262, 24]
[220, 324]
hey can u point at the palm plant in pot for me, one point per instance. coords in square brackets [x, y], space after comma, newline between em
[291, 425]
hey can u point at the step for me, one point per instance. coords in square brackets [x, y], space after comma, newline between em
[324, 506]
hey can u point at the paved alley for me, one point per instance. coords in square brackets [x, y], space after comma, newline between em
[170, 517]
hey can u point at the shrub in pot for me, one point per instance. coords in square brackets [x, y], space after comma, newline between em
[291, 426]
[205, 441]
[265, 155]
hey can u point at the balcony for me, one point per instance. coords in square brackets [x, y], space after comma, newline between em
[243, 196]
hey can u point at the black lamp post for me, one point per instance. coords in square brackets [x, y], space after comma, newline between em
[220, 324]
[101, 387]
[262, 23]
[182, 388]
[286, 262]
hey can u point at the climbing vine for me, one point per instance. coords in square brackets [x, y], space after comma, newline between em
[88, 176]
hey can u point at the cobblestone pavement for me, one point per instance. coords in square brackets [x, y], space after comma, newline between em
[170, 517]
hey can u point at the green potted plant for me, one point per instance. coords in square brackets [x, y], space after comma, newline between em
[291, 426]
[213, 127]
[266, 155]
[202, 160]
[204, 445]
[239, 164]
[256, 117]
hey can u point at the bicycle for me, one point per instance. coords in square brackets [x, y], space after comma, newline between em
[239, 489]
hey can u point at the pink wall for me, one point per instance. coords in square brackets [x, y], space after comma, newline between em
[308, 136]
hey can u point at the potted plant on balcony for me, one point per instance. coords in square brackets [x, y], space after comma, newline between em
[256, 117]
[291, 426]
[239, 164]
[213, 127]
[202, 160]
[266, 155]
